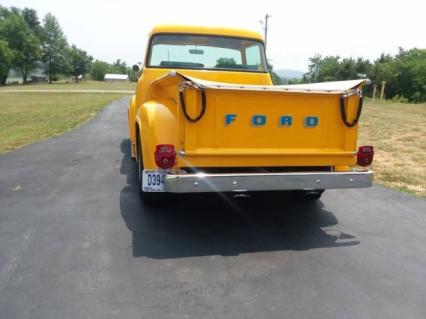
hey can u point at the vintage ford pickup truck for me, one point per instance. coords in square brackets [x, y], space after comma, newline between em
[207, 118]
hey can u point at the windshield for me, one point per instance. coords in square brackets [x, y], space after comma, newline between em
[206, 52]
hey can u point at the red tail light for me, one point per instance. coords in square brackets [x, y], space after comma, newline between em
[165, 156]
[365, 154]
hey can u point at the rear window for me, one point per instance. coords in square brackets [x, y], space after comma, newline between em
[206, 52]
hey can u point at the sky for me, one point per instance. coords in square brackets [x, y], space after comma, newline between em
[298, 29]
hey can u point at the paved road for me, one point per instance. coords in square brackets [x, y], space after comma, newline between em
[76, 242]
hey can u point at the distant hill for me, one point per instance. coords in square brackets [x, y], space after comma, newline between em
[289, 74]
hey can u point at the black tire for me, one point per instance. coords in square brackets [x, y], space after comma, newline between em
[314, 194]
[147, 198]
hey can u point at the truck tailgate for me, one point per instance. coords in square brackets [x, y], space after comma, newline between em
[273, 126]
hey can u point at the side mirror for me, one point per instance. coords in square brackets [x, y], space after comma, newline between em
[135, 68]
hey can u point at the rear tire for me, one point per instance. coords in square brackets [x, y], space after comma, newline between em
[147, 197]
[314, 194]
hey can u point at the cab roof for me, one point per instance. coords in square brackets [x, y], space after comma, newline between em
[233, 32]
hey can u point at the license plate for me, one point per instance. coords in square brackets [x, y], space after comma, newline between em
[153, 181]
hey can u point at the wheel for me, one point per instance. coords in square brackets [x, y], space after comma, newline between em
[314, 194]
[147, 197]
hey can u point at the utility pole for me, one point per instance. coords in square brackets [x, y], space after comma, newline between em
[316, 71]
[382, 92]
[264, 22]
[374, 92]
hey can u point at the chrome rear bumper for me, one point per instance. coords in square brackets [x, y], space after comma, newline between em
[200, 182]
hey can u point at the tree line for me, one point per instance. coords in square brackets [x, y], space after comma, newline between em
[27, 44]
[404, 74]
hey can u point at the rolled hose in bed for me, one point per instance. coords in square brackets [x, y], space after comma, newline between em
[344, 115]
[183, 104]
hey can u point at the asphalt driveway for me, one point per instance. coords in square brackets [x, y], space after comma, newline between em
[76, 242]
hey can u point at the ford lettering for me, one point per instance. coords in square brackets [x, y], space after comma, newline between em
[284, 121]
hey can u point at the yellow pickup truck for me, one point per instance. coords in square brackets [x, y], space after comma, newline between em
[207, 118]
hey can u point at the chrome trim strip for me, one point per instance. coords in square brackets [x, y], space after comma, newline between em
[200, 182]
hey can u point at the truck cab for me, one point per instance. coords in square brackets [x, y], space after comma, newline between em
[206, 117]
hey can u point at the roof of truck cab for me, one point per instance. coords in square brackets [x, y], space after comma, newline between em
[232, 32]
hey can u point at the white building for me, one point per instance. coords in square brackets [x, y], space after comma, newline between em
[116, 77]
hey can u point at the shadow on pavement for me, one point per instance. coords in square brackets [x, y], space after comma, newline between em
[211, 224]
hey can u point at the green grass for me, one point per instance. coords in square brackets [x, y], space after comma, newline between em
[398, 133]
[85, 85]
[29, 117]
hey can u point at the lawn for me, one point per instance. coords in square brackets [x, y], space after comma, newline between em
[29, 117]
[85, 85]
[398, 133]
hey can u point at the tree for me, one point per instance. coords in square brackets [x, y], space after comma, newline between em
[363, 66]
[31, 18]
[404, 73]
[22, 41]
[119, 67]
[347, 70]
[6, 58]
[314, 67]
[4, 12]
[410, 74]
[332, 68]
[79, 62]
[328, 68]
[225, 63]
[98, 70]
[276, 79]
[54, 47]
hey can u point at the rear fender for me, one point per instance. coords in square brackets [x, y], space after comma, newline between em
[158, 125]
[131, 112]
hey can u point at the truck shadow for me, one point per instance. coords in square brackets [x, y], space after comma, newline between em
[204, 225]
